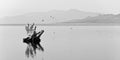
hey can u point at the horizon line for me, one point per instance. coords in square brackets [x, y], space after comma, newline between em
[67, 24]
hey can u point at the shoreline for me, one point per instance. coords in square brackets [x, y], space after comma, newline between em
[68, 24]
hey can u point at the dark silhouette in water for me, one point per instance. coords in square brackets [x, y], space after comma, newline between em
[33, 40]
[36, 40]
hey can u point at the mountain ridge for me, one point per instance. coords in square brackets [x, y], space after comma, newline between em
[47, 17]
[105, 18]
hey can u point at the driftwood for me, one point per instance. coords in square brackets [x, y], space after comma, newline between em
[32, 40]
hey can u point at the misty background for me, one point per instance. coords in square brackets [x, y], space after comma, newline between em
[52, 11]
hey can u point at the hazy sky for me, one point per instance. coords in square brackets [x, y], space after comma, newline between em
[13, 7]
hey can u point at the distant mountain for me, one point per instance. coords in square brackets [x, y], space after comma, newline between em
[105, 18]
[47, 17]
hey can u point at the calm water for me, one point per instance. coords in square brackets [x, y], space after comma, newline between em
[63, 43]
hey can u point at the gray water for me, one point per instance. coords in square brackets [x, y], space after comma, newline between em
[63, 43]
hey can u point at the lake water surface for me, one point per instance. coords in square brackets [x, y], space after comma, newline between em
[63, 43]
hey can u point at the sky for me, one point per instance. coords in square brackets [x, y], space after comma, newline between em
[16, 7]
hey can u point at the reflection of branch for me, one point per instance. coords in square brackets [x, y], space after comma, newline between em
[29, 50]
